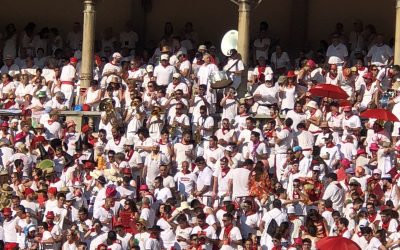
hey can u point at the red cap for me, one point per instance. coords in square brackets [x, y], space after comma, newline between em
[347, 108]
[311, 63]
[52, 190]
[143, 187]
[101, 245]
[126, 171]
[50, 215]
[345, 162]
[111, 191]
[7, 211]
[290, 74]
[89, 165]
[368, 75]
[28, 191]
[73, 60]
[85, 107]
[85, 128]
[4, 124]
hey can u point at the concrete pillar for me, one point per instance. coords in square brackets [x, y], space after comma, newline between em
[397, 35]
[89, 15]
[244, 29]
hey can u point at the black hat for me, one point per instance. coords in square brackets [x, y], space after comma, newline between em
[56, 143]
[155, 228]
[43, 152]
[101, 179]
[91, 159]
[69, 160]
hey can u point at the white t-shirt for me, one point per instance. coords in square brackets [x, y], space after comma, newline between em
[164, 74]
[204, 178]
[240, 182]
[185, 182]
[380, 54]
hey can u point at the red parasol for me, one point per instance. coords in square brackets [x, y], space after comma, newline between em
[337, 242]
[379, 114]
[329, 90]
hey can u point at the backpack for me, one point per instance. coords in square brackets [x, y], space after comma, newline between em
[272, 227]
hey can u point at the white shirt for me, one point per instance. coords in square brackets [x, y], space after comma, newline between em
[339, 50]
[185, 182]
[204, 178]
[240, 182]
[68, 73]
[335, 193]
[380, 55]
[164, 74]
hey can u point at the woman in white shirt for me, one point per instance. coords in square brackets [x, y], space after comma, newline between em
[93, 95]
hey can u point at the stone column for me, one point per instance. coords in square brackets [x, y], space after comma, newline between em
[397, 35]
[89, 15]
[243, 41]
[244, 29]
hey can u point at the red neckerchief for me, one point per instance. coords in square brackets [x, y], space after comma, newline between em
[255, 146]
[50, 226]
[341, 232]
[88, 177]
[313, 111]
[296, 195]
[371, 218]
[117, 142]
[129, 154]
[9, 104]
[332, 76]
[261, 70]
[134, 69]
[249, 213]
[329, 209]
[269, 133]
[205, 226]
[162, 143]
[115, 64]
[330, 145]
[185, 172]
[227, 231]
[224, 171]
[55, 180]
[277, 248]
[385, 225]
[51, 121]
[107, 209]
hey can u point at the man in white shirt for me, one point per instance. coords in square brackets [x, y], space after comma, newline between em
[9, 67]
[68, 78]
[235, 68]
[380, 54]
[276, 214]
[266, 95]
[111, 68]
[204, 181]
[337, 49]
[335, 192]
[164, 71]
[239, 180]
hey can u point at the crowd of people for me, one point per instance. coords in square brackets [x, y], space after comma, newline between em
[173, 163]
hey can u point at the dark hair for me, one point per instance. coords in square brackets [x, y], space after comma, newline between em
[277, 203]
[288, 122]
[328, 203]
[344, 221]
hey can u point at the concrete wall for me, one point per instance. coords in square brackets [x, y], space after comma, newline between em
[211, 18]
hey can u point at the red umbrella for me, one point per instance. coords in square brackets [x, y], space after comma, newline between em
[329, 90]
[337, 242]
[379, 114]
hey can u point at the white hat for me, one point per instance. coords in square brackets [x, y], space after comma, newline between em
[69, 197]
[14, 120]
[335, 60]
[312, 104]
[164, 57]
[31, 229]
[202, 47]
[363, 223]
[229, 148]
[227, 198]
[149, 68]
[129, 141]
[184, 205]
[268, 77]
[176, 75]
[290, 210]
[96, 174]
[179, 53]
[377, 171]
[116, 55]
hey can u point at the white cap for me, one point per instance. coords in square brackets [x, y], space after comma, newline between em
[116, 55]
[164, 57]
[363, 223]
[202, 47]
[316, 168]
[229, 148]
[377, 171]
[227, 198]
[149, 68]
[32, 228]
[290, 210]
[268, 77]
[129, 141]
[335, 60]
[312, 104]
[176, 75]
[14, 120]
